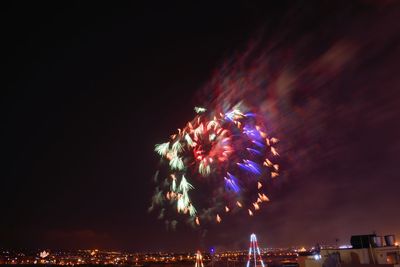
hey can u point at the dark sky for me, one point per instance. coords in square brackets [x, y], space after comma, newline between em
[88, 89]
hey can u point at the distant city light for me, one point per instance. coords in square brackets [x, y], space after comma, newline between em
[44, 254]
[212, 251]
[317, 257]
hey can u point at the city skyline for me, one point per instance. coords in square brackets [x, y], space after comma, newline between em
[90, 89]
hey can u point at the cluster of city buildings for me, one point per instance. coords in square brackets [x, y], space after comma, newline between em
[99, 257]
[364, 251]
[62, 257]
[90, 257]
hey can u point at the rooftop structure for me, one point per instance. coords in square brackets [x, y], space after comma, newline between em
[366, 250]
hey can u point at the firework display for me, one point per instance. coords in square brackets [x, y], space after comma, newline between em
[217, 164]
[254, 255]
[199, 260]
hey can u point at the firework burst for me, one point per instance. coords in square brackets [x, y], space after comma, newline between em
[217, 164]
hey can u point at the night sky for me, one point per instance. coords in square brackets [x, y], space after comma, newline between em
[88, 89]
